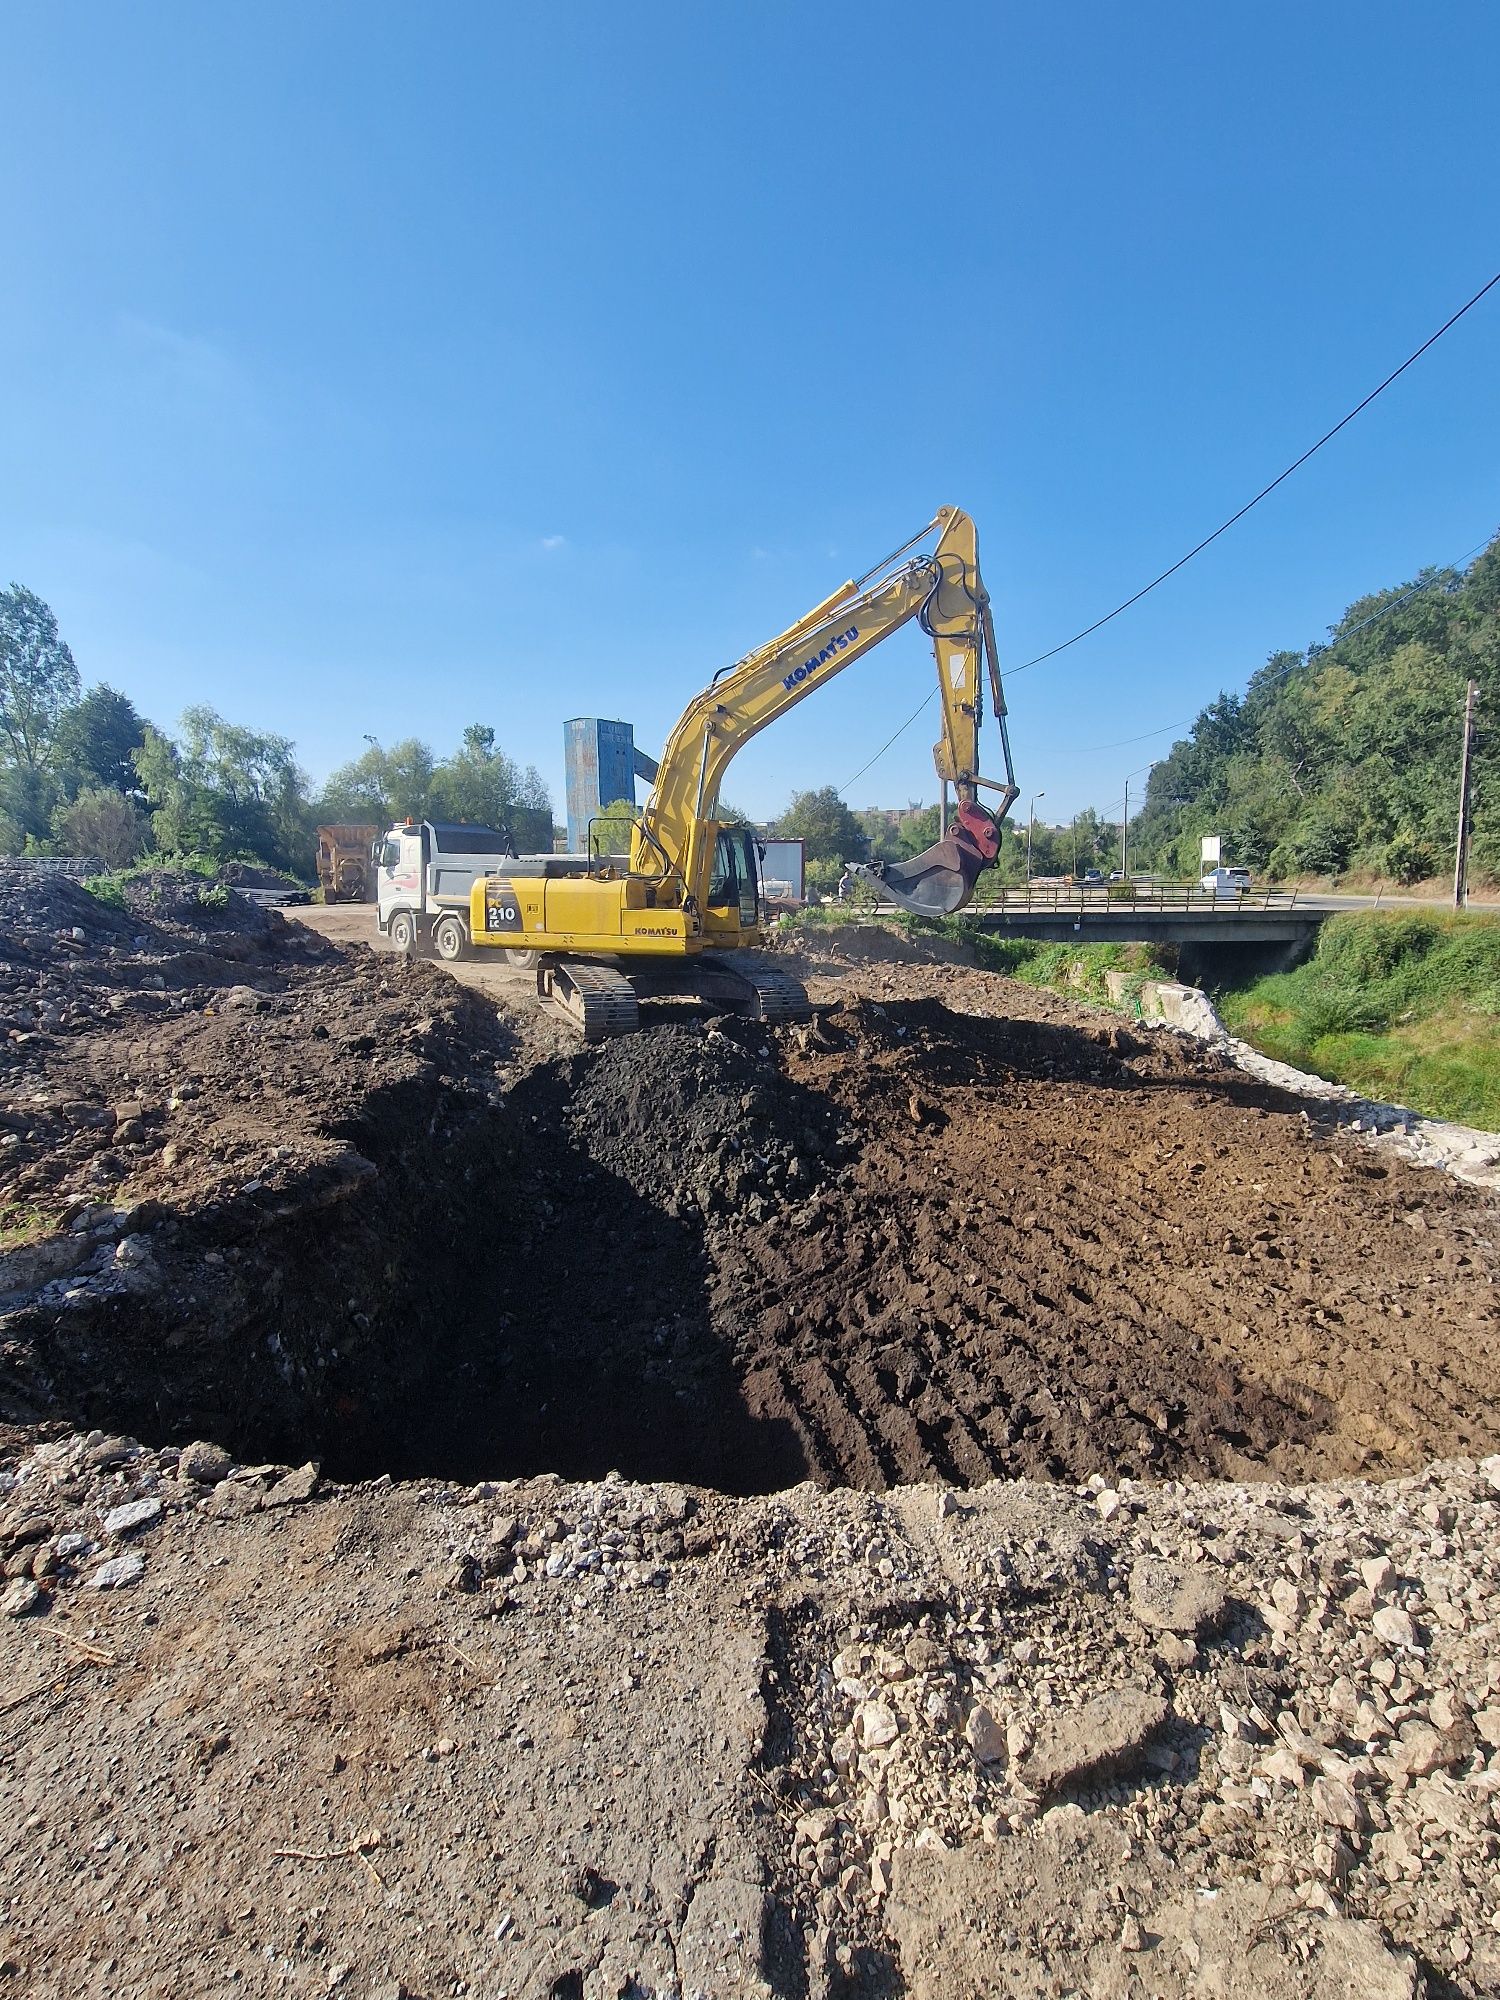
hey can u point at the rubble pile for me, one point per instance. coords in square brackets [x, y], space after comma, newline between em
[80, 1511]
[1299, 1687]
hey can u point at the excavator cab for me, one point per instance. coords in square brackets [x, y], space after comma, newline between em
[734, 886]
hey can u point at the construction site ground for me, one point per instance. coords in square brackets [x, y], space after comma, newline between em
[965, 1496]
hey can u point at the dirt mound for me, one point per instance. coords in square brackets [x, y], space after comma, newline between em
[40, 911]
[700, 1121]
[247, 875]
[178, 903]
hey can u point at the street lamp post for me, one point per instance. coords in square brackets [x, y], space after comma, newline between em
[1030, 830]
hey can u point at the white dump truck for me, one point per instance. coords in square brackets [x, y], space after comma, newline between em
[425, 870]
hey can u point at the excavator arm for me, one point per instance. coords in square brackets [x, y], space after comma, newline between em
[674, 841]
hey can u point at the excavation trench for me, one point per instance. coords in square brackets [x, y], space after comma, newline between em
[905, 1244]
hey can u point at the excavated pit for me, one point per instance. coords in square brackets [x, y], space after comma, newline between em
[903, 1244]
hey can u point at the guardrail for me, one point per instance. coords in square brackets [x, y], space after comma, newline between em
[1100, 898]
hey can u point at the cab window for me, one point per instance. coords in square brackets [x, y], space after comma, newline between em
[724, 886]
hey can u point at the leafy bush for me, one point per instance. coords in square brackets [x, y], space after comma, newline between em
[1407, 859]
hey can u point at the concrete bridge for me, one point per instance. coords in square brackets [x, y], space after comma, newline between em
[1259, 930]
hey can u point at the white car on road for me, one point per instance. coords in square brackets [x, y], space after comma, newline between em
[1227, 881]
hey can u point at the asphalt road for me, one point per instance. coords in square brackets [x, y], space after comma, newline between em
[1327, 901]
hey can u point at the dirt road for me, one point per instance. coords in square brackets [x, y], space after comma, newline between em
[351, 924]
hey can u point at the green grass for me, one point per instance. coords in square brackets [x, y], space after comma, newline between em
[1404, 1008]
[20, 1223]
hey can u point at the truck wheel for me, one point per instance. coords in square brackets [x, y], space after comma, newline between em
[402, 931]
[449, 938]
[528, 961]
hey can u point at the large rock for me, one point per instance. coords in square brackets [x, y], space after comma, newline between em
[207, 1463]
[1171, 1597]
[1104, 1734]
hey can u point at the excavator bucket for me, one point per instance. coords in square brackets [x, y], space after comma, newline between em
[942, 879]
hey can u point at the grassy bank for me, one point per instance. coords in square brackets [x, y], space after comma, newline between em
[1404, 1008]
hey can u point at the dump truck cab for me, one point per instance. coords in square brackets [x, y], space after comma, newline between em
[425, 872]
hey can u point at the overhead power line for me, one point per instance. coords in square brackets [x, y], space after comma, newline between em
[1414, 590]
[925, 702]
[1239, 515]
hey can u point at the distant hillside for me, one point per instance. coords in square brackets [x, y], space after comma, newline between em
[1346, 757]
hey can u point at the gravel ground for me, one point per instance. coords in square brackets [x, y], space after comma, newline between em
[267, 1736]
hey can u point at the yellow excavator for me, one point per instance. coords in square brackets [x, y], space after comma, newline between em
[681, 913]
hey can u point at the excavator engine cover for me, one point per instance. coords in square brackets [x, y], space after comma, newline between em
[940, 880]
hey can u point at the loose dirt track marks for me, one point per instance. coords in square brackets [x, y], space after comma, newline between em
[1066, 1250]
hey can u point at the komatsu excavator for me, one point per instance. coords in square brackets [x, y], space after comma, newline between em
[680, 914]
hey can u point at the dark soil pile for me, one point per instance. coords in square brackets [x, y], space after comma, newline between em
[41, 910]
[700, 1121]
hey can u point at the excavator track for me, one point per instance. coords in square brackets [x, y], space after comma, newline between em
[597, 1000]
[772, 995]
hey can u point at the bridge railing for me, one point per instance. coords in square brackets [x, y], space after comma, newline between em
[1102, 898]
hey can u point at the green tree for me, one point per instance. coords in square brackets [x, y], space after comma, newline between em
[103, 821]
[380, 786]
[96, 741]
[225, 791]
[825, 824]
[882, 838]
[918, 831]
[614, 830]
[38, 677]
[1346, 756]
[479, 785]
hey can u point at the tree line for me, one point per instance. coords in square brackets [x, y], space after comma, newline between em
[1345, 757]
[1341, 758]
[83, 772]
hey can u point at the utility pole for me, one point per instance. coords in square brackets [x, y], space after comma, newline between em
[1125, 837]
[1461, 857]
[1030, 830]
[943, 810]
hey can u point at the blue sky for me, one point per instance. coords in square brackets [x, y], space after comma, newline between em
[382, 369]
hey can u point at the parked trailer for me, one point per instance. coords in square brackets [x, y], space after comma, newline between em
[346, 870]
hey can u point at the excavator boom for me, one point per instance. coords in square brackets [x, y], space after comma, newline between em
[945, 592]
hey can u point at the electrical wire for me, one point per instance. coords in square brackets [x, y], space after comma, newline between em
[1414, 590]
[1428, 583]
[926, 702]
[1224, 526]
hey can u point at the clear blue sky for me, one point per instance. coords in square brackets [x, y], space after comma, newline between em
[381, 369]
